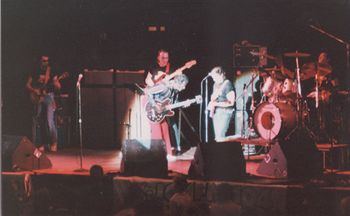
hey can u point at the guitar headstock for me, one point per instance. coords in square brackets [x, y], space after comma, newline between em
[190, 64]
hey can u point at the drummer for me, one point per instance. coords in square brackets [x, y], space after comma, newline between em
[322, 71]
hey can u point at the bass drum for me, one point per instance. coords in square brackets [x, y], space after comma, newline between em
[272, 120]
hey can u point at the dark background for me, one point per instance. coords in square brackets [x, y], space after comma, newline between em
[112, 34]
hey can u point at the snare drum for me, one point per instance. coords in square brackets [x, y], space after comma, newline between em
[274, 120]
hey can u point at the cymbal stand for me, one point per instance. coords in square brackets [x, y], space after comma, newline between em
[300, 107]
[320, 113]
[299, 83]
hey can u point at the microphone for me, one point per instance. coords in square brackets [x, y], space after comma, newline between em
[79, 79]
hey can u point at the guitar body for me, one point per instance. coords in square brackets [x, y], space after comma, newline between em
[37, 99]
[158, 111]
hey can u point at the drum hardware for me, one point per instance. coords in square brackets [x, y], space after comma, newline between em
[277, 119]
[296, 54]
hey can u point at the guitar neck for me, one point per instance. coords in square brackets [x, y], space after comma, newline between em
[180, 104]
[176, 72]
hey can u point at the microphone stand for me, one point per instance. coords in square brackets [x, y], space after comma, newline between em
[243, 134]
[206, 119]
[78, 93]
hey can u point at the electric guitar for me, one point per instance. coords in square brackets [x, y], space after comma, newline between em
[157, 111]
[162, 75]
[211, 107]
[38, 98]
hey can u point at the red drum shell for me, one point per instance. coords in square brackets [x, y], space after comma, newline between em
[274, 120]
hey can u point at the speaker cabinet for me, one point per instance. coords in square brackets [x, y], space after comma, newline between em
[295, 157]
[19, 153]
[144, 157]
[98, 118]
[218, 161]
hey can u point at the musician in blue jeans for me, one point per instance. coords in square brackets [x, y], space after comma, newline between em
[41, 84]
[221, 105]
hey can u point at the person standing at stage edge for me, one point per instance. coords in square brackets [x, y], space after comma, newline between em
[221, 105]
[41, 84]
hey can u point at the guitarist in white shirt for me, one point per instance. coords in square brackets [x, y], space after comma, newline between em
[221, 105]
[158, 93]
[42, 83]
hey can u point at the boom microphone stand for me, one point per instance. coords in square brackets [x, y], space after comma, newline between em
[81, 169]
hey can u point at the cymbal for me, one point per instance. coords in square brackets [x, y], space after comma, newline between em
[343, 92]
[323, 69]
[272, 69]
[296, 54]
[309, 70]
[323, 95]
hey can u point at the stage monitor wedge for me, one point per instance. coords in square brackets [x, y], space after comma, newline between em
[19, 153]
[295, 157]
[144, 157]
[218, 161]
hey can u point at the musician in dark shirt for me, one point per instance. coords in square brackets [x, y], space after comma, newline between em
[221, 105]
[156, 72]
[42, 83]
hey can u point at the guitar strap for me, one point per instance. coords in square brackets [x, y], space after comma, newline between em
[167, 69]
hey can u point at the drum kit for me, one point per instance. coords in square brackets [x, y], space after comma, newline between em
[283, 108]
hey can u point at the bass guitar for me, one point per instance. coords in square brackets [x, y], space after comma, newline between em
[157, 111]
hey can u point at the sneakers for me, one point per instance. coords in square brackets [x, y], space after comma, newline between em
[52, 148]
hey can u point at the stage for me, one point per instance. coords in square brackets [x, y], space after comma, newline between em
[254, 193]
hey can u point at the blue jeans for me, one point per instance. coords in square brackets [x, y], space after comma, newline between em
[45, 115]
[221, 121]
